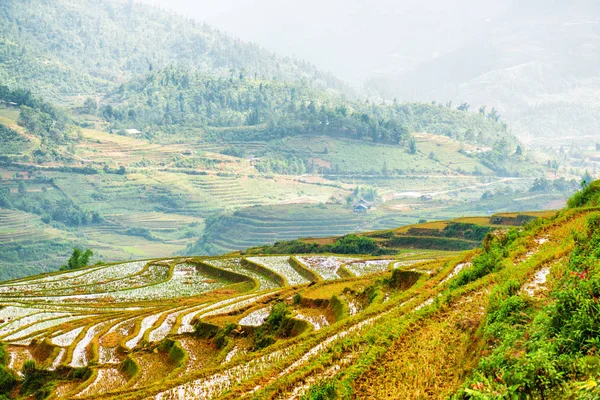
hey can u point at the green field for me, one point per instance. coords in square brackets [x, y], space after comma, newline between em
[353, 156]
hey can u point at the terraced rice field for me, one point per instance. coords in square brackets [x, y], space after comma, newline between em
[194, 327]
[255, 227]
[327, 267]
[107, 315]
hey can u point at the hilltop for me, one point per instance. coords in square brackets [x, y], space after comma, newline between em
[514, 317]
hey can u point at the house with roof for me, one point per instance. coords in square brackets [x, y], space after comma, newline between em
[362, 206]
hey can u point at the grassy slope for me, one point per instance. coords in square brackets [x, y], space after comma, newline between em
[514, 318]
[466, 344]
[357, 156]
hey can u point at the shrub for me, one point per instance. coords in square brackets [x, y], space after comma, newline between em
[221, 338]
[129, 367]
[321, 391]
[349, 244]
[81, 374]
[353, 244]
[176, 353]
[278, 318]
[587, 196]
[37, 382]
[204, 330]
[3, 355]
[7, 380]
[279, 323]
[495, 250]
[297, 299]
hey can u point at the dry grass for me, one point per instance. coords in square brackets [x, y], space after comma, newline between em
[543, 214]
[473, 220]
[430, 360]
[319, 241]
[154, 367]
[325, 291]
[111, 339]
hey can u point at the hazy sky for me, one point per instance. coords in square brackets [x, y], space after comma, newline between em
[354, 39]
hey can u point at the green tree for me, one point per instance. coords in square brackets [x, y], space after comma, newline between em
[354, 244]
[464, 107]
[555, 165]
[22, 187]
[493, 115]
[412, 146]
[385, 170]
[4, 197]
[78, 259]
[586, 179]
[90, 106]
[519, 151]
[541, 185]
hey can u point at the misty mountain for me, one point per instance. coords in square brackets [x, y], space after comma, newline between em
[351, 38]
[71, 47]
[536, 65]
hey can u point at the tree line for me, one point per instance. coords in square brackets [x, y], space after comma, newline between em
[166, 100]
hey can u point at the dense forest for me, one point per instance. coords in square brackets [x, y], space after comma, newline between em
[41, 47]
[39, 117]
[172, 98]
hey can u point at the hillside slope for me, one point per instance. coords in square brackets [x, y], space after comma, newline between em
[535, 65]
[128, 196]
[71, 47]
[159, 136]
[516, 318]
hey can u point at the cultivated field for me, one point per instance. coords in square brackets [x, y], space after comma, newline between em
[285, 326]
[135, 325]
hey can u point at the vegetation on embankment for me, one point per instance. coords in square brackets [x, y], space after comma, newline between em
[538, 335]
[349, 244]
[547, 347]
[451, 236]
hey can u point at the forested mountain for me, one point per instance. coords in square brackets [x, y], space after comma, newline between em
[72, 47]
[170, 99]
[536, 65]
